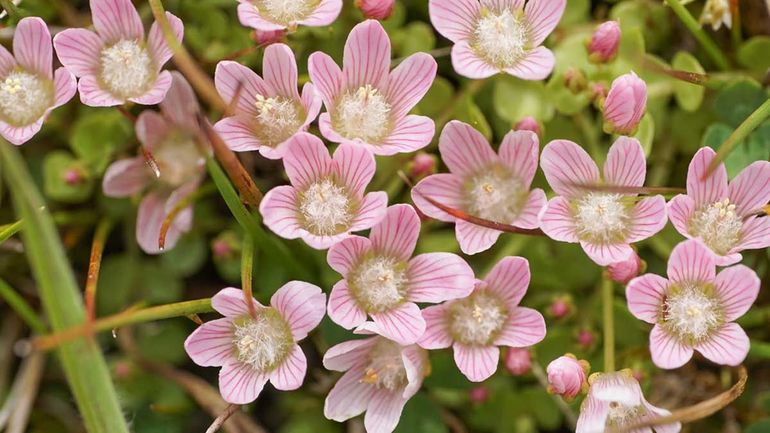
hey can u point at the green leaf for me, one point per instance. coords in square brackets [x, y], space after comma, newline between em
[515, 99]
[163, 342]
[575, 12]
[563, 99]
[755, 148]
[689, 96]
[439, 96]
[467, 111]
[421, 415]
[414, 38]
[56, 167]
[187, 257]
[646, 133]
[96, 135]
[737, 101]
[753, 54]
[759, 427]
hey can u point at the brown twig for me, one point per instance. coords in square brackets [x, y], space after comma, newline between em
[224, 416]
[94, 265]
[181, 205]
[630, 189]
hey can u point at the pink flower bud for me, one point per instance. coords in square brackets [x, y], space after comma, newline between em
[73, 176]
[423, 164]
[575, 80]
[267, 37]
[560, 307]
[603, 45]
[586, 338]
[518, 361]
[625, 104]
[623, 272]
[376, 9]
[567, 376]
[479, 394]
[528, 124]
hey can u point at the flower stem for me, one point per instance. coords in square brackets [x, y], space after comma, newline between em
[694, 27]
[247, 266]
[12, 10]
[94, 265]
[609, 324]
[750, 124]
[8, 230]
[22, 308]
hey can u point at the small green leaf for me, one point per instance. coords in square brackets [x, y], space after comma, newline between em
[689, 96]
[187, 257]
[575, 12]
[414, 38]
[563, 99]
[753, 54]
[421, 415]
[467, 111]
[439, 96]
[737, 101]
[646, 133]
[58, 167]
[96, 135]
[515, 99]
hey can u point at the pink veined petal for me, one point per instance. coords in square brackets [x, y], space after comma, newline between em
[727, 260]
[567, 165]
[656, 412]
[235, 80]
[240, 383]
[750, 190]
[467, 63]
[230, 302]
[706, 190]
[542, 17]
[625, 164]
[474, 239]
[279, 69]
[529, 215]
[93, 95]
[343, 308]
[498, 5]
[396, 235]
[151, 128]
[290, 373]
[525, 327]
[348, 354]
[593, 416]
[354, 166]
[371, 211]
[436, 334]
[19, 135]
[464, 149]
[159, 49]
[237, 133]
[414, 359]
[645, 295]
[157, 93]
[211, 345]
[320, 242]
[182, 223]
[65, 87]
[327, 77]
[648, 218]
[509, 280]
[691, 261]
[477, 363]
[279, 212]
[454, 19]
[409, 82]
[443, 188]
[307, 160]
[249, 16]
[384, 411]
[302, 306]
[116, 19]
[667, 352]
[180, 104]
[32, 46]
[403, 324]
[152, 213]
[519, 152]
[311, 102]
[606, 254]
[78, 50]
[328, 132]
[621, 108]
[537, 64]
[438, 277]
[755, 234]
[324, 14]
[7, 61]
[343, 256]
[125, 177]
[349, 397]
[737, 288]
[680, 210]
[366, 59]
[409, 134]
[729, 345]
[557, 221]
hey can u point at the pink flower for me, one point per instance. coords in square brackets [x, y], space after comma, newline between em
[29, 89]
[528, 124]
[484, 184]
[267, 15]
[383, 281]
[116, 64]
[269, 111]
[496, 36]
[604, 42]
[604, 223]
[616, 400]
[625, 104]
[518, 361]
[252, 351]
[560, 307]
[567, 376]
[380, 377]
[168, 136]
[366, 104]
[423, 164]
[376, 9]
[722, 215]
[622, 272]
[489, 317]
[267, 37]
[325, 201]
[694, 308]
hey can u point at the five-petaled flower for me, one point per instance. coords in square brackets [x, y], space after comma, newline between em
[116, 64]
[366, 104]
[695, 307]
[382, 280]
[494, 36]
[268, 15]
[29, 89]
[724, 216]
[487, 318]
[484, 184]
[325, 201]
[268, 110]
[253, 350]
[605, 223]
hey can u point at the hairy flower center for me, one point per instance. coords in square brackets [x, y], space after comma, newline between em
[363, 114]
[264, 342]
[379, 283]
[285, 11]
[178, 160]
[601, 217]
[326, 208]
[386, 367]
[691, 313]
[478, 319]
[127, 70]
[495, 195]
[24, 97]
[278, 118]
[501, 38]
[620, 414]
[718, 226]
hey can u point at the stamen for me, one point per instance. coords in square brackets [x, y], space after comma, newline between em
[602, 217]
[24, 97]
[263, 342]
[178, 159]
[127, 70]
[379, 283]
[718, 226]
[501, 37]
[278, 119]
[495, 195]
[691, 312]
[285, 11]
[363, 114]
[477, 319]
[326, 208]
[386, 367]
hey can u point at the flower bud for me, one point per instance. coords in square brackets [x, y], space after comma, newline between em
[625, 105]
[518, 361]
[586, 338]
[528, 124]
[623, 272]
[423, 164]
[479, 394]
[604, 42]
[376, 9]
[560, 307]
[73, 176]
[575, 80]
[568, 376]
[267, 37]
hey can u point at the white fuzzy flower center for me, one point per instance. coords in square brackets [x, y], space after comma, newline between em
[601, 217]
[691, 313]
[386, 366]
[285, 11]
[264, 342]
[501, 37]
[178, 159]
[24, 97]
[718, 226]
[620, 414]
[278, 118]
[495, 195]
[379, 283]
[363, 114]
[127, 69]
[326, 208]
[478, 319]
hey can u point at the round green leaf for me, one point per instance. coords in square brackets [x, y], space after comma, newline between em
[754, 54]
[56, 167]
[689, 96]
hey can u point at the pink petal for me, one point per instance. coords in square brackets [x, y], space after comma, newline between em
[415, 361]
[667, 352]
[311, 102]
[454, 19]
[327, 77]
[343, 256]
[648, 218]
[409, 82]
[237, 133]
[519, 152]
[396, 235]
[65, 87]
[477, 363]
[409, 134]
[729, 345]
[755, 234]
[625, 164]
[289, 375]
[706, 190]
[151, 128]
[354, 166]
[78, 50]
[32, 46]
[383, 412]
[93, 95]
[158, 91]
[180, 104]
[680, 210]
[7, 61]
[645, 295]
[328, 132]
[307, 160]
[125, 177]
[349, 397]
[473, 238]
[249, 16]
[656, 412]
[182, 222]
[211, 345]
[606, 254]
[566, 165]
[436, 334]
[403, 324]
[691, 261]
[302, 305]
[557, 221]
[464, 149]
[750, 190]
[525, 327]
[116, 19]
[348, 354]
[343, 308]
[528, 217]
[593, 416]
[235, 80]
[443, 188]
[737, 288]
[324, 242]
[499, 5]
[156, 42]
[727, 260]
[537, 64]
[279, 69]
[279, 212]
[324, 14]
[230, 302]
[509, 279]
[468, 64]
[366, 59]
[19, 135]
[542, 17]
[152, 213]
[438, 277]
[240, 383]
[371, 211]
